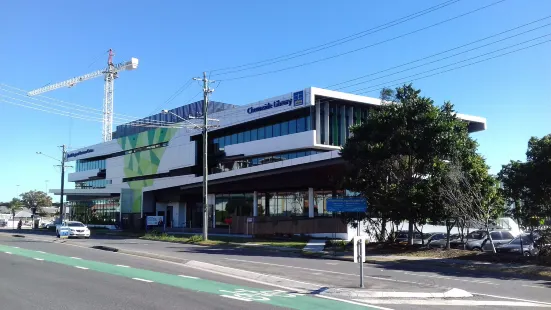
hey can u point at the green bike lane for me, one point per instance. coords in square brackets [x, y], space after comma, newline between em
[279, 298]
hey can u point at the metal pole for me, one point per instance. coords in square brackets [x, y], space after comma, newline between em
[61, 209]
[205, 153]
[360, 253]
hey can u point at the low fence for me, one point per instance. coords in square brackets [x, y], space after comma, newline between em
[265, 225]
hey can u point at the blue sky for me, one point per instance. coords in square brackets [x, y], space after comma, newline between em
[49, 41]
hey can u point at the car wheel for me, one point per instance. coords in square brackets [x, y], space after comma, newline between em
[526, 253]
[477, 249]
[57, 235]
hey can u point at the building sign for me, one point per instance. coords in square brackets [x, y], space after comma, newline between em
[298, 98]
[75, 154]
[271, 105]
[154, 221]
[346, 205]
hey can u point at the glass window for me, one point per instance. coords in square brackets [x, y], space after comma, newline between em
[240, 138]
[221, 143]
[495, 235]
[227, 140]
[234, 138]
[292, 126]
[284, 128]
[276, 130]
[284, 156]
[301, 154]
[268, 132]
[506, 235]
[308, 123]
[292, 155]
[254, 135]
[255, 161]
[247, 136]
[301, 124]
[261, 133]
[215, 141]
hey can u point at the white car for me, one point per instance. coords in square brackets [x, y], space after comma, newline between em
[76, 229]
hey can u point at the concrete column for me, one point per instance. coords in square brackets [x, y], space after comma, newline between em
[255, 203]
[326, 123]
[343, 124]
[310, 202]
[350, 119]
[318, 122]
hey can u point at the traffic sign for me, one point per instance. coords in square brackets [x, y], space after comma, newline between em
[346, 205]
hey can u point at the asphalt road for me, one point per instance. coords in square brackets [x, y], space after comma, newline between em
[490, 291]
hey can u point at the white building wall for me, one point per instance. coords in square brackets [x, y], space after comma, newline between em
[82, 175]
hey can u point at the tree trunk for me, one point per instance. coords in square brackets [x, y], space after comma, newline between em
[449, 226]
[383, 229]
[490, 238]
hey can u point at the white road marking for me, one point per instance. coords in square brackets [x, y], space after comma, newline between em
[353, 302]
[7, 252]
[143, 280]
[452, 302]
[511, 298]
[327, 271]
[332, 264]
[123, 266]
[534, 286]
[75, 257]
[40, 259]
[79, 267]
[449, 278]
[188, 277]
[16, 247]
[317, 273]
[41, 252]
[234, 297]
[453, 293]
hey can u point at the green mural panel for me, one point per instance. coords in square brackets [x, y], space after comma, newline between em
[143, 162]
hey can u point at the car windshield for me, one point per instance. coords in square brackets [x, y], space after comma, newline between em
[75, 224]
[476, 235]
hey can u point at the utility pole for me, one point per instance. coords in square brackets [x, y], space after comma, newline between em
[61, 209]
[206, 93]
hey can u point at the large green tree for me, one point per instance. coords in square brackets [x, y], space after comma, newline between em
[35, 200]
[396, 151]
[527, 185]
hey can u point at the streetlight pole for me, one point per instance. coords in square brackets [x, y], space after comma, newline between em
[62, 161]
[204, 127]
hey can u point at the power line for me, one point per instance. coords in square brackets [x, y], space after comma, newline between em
[446, 51]
[365, 47]
[94, 113]
[180, 90]
[334, 43]
[464, 60]
[441, 59]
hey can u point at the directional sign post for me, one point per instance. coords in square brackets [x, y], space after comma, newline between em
[352, 205]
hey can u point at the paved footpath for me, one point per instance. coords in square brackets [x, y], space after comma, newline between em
[246, 271]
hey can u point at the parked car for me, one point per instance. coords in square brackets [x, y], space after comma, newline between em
[441, 243]
[76, 229]
[479, 241]
[528, 246]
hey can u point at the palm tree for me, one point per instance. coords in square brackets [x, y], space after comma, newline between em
[15, 205]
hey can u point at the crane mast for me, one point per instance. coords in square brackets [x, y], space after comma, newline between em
[110, 74]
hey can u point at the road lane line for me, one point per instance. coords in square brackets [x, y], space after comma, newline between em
[234, 297]
[7, 252]
[534, 286]
[353, 302]
[187, 277]
[41, 252]
[143, 280]
[39, 259]
[328, 271]
[512, 298]
[452, 302]
[123, 266]
[79, 267]
[75, 257]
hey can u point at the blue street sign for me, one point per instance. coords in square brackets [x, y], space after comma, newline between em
[346, 205]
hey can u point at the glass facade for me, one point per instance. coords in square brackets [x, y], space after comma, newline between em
[339, 124]
[261, 160]
[92, 184]
[290, 127]
[95, 212]
[83, 165]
